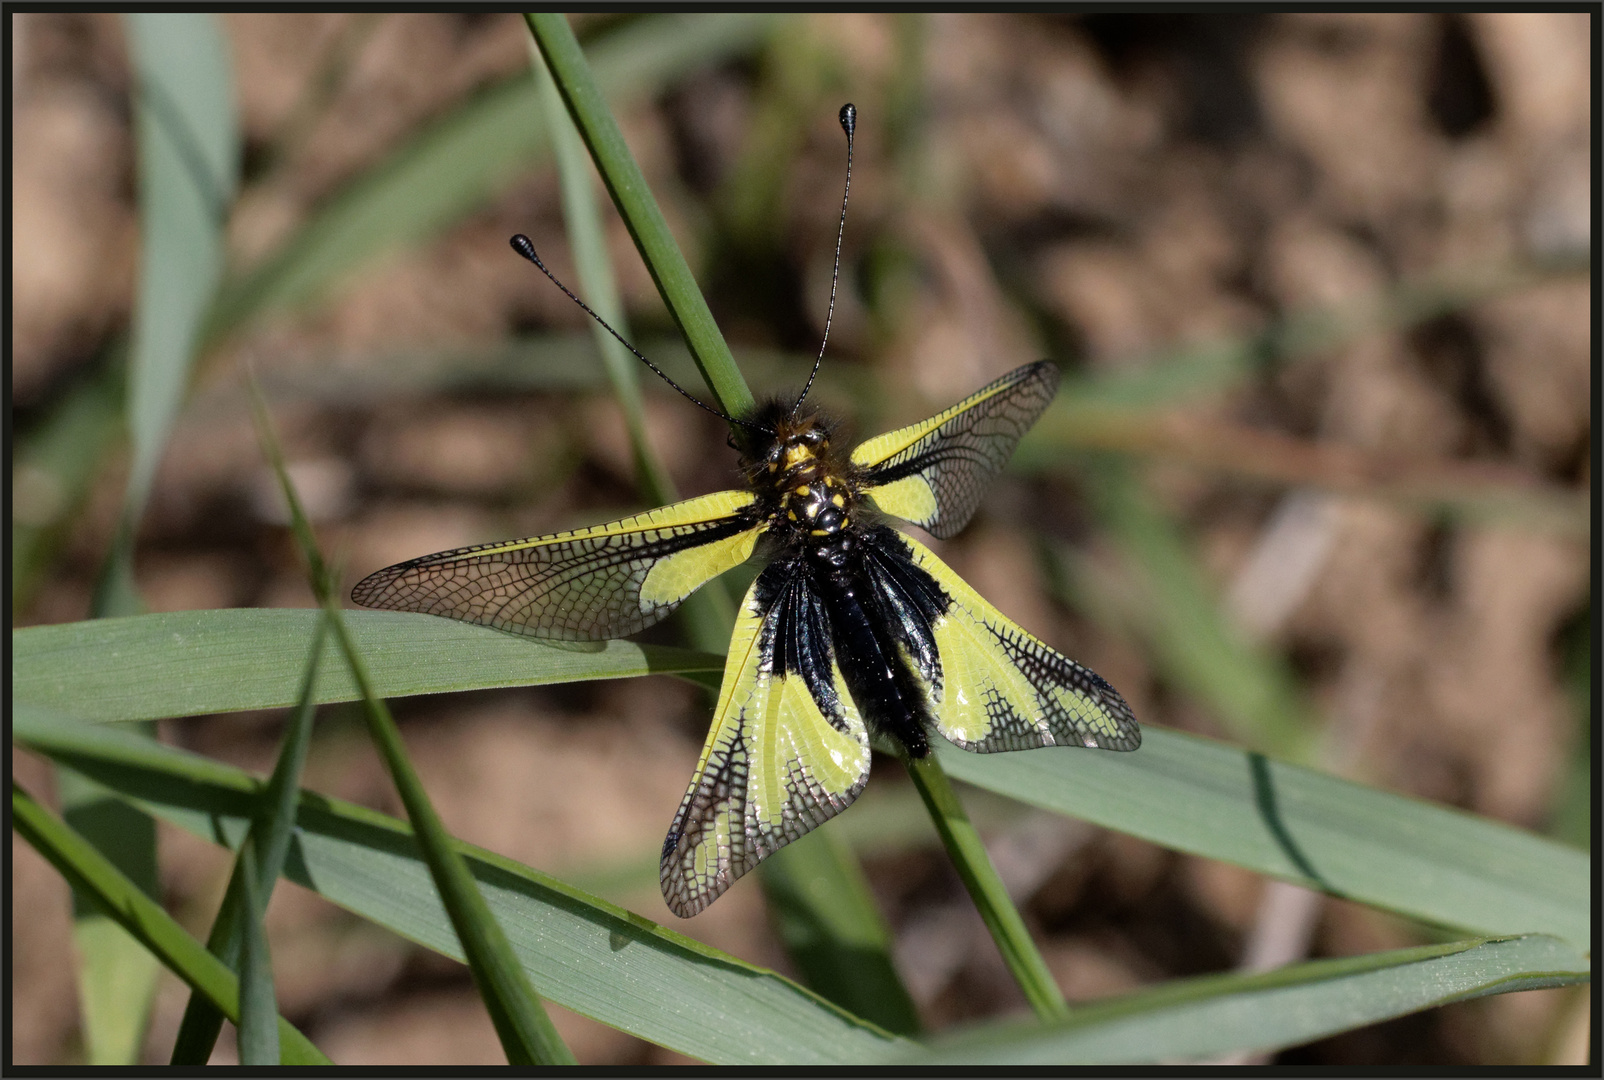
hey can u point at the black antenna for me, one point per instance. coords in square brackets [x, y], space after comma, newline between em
[520, 244]
[849, 124]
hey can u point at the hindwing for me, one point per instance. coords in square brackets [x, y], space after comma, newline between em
[605, 581]
[934, 473]
[989, 686]
[787, 750]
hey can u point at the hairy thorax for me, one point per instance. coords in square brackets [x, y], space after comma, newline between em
[809, 486]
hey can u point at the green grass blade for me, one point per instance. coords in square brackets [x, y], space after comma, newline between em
[1180, 791]
[258, 1006]
[457, 164]
[824, 913]
[139, 915]
[980, 878]
[1198, 1019]
[190, 663]
[525, 1030]
[597, 284]
[271, 830]
[116, 975]
[188, 153]
[635, 202]
[53, 465]
[583, 953]
[1195, 795]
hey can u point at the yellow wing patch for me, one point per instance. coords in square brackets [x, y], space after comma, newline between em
[776, 763]
[935, 473]
[1002, 689]
[674, 577]
[909, 498]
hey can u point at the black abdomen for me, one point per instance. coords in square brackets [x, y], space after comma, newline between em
[879, 681]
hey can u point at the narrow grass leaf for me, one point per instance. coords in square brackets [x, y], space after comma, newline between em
[190, 663]
[585, 954]
[825, 916]
[258, 1006]
[1416, 858]
[271, 830]
[525, 1030]
[92, 873]
[1196, 1019]
[639, 209]
[991, 898]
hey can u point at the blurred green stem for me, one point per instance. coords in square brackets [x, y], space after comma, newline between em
[974, 866]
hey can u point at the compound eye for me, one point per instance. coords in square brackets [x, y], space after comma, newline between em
[813, 436]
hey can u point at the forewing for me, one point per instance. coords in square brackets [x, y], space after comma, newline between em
[934, 473]
[994, 686]
[786, 752]
[606, 581]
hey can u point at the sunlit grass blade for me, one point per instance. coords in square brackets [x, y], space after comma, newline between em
[526, 1032]
[141, 917]
[1196, 1019]
[991, 898]
[639, 209]
[585, 954]
[190, 663]
[268, 843]
[1195, 795]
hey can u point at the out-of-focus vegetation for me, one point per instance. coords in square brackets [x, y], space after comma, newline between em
[1317, 484]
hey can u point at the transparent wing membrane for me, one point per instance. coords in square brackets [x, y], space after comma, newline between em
[934, 473]
[605, 581]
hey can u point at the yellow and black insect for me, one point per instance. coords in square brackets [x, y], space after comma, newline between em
[852, 629]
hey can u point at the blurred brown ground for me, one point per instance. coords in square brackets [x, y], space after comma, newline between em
[1090, 188]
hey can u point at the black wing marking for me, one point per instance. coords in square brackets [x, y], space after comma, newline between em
[786, 752]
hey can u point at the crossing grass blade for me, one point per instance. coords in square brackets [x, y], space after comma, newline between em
[143, 919]
[1196, 1019]
[251, 887]
[526, 1032]
[591, 957]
